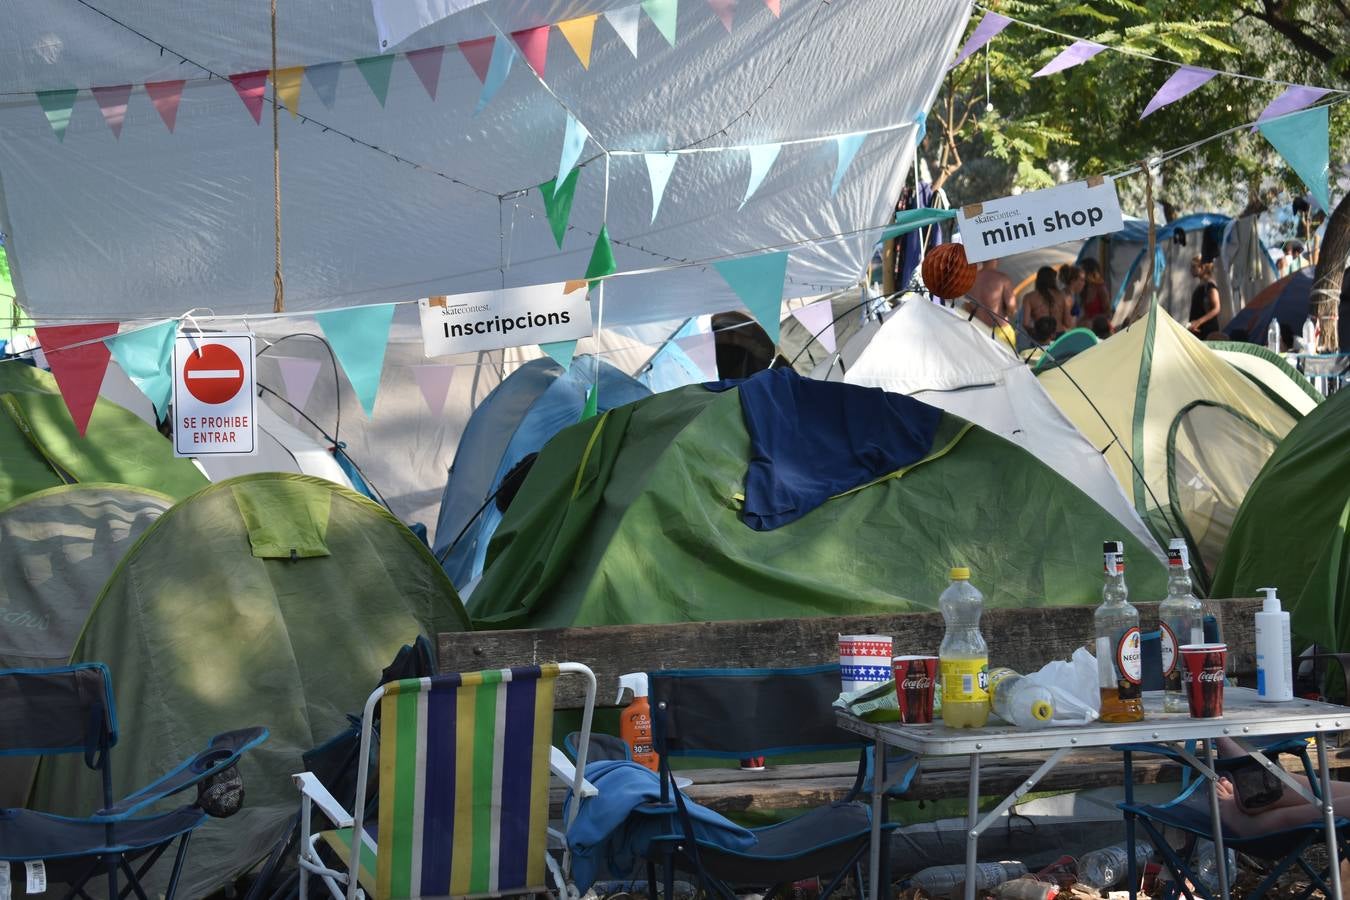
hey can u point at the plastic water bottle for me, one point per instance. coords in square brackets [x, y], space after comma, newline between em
[1018, 701]
[1105, 868]
[1310, 335]
[1181, 620]
[1206, 866]
[945, 881]
[963, 656]
[1026, 889]
[1273, 336]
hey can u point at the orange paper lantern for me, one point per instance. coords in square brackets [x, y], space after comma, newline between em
[946, 272]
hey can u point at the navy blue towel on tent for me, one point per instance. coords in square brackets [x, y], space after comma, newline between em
[810, 440]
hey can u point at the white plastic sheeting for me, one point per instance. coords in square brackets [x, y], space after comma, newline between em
[925, 351]
[156, 223]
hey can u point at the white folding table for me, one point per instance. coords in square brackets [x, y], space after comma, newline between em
[1245, 718]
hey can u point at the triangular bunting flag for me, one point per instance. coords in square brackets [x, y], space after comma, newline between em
[725, 10]
[592, 405]
[287, 88]
[533, 43]
[1295, 97]
[758, 281]
[702, 352]
[986, 31]
[1302, 139]
[358, 337]
[1076, 53]
[847, 146]
[574, 141]
[659, 167]
[1184, 80]
[558, 203]
[818, 318]
[560, 352]
[78, 358]
[165, 95]
[57, 105]
[624, 21]
[503, 54]
[146, 356]
[761, 161]
[579, 33]
[663, 14]
[112, 102]
[478, 54]
[774, 8]
[427, 65]
[434, 383]
[602, 259]
[324, 79]
[297, 380]
[375, 70]
[251, 86]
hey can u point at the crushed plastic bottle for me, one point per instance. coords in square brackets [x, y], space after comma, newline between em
[946, 881]
[1107, 867]
[1018, 701]
[1026, 888]
[1206, 868]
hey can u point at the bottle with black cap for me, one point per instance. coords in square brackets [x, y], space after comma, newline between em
[1120, 669]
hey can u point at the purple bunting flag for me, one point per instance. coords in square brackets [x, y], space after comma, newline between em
[434, 383]
[818, 318]
[1294, 98]
[986, 31]
[1183, 81]
[1076, 53]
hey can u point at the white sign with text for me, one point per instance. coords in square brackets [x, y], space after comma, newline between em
[215, 397]
[1009, 225]
[510, 317]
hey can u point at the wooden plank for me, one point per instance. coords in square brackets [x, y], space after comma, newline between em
[1024, 639]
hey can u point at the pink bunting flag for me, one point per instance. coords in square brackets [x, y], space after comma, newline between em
[1183, 81]
[112, 102]
[702, 352]
[818, 318]
[986, 31]
[297, 380]
[1294, 98]
[533, 43]
[478, 54]
[1076, 53]
[251, 87]
[427, 64]
[434, 383]
[166, 95]
[725, 10]
[78, 359]
[774, 7]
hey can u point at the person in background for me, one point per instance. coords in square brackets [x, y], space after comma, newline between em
[1072, 283]
[991, 298]
[1042, 332]
[1045, 300]
[1204, 299]
[1292, 260]
[1095, 301]
[1101, 327]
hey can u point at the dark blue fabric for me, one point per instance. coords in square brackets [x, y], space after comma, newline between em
[810, 440]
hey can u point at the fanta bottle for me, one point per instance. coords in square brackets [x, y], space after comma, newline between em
[964, 656]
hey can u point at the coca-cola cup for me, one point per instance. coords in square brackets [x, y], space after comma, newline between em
[1203, 668]
[915, 678]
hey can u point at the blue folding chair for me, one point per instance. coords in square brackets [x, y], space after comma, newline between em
[70, 710]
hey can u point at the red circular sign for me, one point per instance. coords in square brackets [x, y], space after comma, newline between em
[213, 373]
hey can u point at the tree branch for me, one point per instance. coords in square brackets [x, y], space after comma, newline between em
[1273, 15]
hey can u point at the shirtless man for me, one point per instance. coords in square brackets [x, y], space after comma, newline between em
[997, 304]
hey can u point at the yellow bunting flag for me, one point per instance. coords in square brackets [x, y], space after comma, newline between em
[579, 33]
[288, 88]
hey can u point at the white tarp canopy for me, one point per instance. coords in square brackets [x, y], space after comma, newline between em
[155, 223]
[925, 351]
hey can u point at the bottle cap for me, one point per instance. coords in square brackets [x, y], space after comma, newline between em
[1272, 601]
[959, 573]
[1117, 547]
[1042, 710]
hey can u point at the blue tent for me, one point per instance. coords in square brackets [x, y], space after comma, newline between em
[527, 409]
[1288, 300]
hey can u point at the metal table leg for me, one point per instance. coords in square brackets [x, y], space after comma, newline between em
[1329, 816]
[878, 790]
[1216, 822]
[972, 826]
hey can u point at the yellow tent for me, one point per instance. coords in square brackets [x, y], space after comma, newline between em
[1184, 431]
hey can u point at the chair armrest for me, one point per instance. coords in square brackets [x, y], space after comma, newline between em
[563, 768]
[221, 752]
[312, 788]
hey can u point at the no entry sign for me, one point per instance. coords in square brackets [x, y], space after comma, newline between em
[215, 399]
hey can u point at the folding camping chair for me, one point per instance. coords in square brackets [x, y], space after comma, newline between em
[739, 713]
[70, 710]
[464, 768]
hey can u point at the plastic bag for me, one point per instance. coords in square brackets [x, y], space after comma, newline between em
[1073, 683]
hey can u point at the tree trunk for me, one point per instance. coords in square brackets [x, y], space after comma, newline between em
[888, 267]
[1330, 271]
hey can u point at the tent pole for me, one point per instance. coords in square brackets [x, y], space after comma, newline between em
[600, 299]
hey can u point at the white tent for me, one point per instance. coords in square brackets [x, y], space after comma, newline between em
[925, 351]
[405, 196]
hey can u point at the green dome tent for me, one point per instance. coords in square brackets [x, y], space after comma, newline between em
[40, 448]
[268, 599]
[633, 517]
[1291, 532]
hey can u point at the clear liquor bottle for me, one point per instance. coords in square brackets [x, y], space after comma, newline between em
[1180, 621]
[1119, 652]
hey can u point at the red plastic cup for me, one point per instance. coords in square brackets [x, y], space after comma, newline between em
[1203, 668]
[915, 681]
[753, 764]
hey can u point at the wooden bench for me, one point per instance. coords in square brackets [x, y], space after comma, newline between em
[1024, 639]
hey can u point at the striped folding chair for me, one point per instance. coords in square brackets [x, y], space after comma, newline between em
[464, 765]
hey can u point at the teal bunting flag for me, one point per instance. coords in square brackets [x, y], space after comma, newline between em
[560, 352]
[375, 70]
[663, 14]
[57, 106]
[358, 337]
[503, 54]
[146, 356]
[1302, 139]
[910, 219]
[847, 146]
[758, 281]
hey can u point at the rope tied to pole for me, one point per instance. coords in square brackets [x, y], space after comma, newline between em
[278, 285]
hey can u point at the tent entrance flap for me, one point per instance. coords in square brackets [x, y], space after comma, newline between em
[284, 521]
